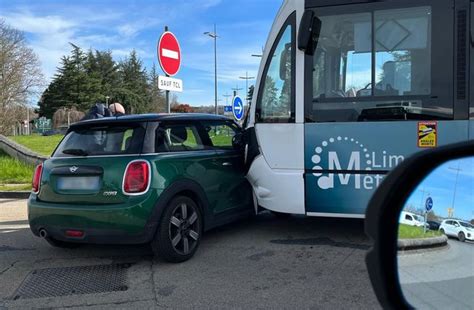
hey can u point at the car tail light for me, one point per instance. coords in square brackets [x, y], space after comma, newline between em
[136, 178]
[74, 233]
[37, 178]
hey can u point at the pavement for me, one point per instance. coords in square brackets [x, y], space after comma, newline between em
[439, 279]
[264, 262]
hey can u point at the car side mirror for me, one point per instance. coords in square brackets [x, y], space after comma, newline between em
[413, 266]
[238, 141]
[285, 62]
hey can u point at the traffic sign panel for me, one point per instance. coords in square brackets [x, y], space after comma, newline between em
[167, 83]
[228, 108]
[237, 108]
[169, 53]
[429, 204]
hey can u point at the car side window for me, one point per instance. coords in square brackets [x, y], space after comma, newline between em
[178, 138]
[220, 134]
[408, 217]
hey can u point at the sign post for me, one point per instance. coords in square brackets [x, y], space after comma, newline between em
[169, 56]
[428, 207]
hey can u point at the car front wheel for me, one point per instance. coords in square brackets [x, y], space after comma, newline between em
[179, 232]
[461, 236]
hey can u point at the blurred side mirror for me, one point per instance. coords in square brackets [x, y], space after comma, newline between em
[411, 266]
[238, 141]
[285, 62]
[308, 34]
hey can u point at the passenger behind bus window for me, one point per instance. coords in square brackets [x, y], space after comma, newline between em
[386, 85]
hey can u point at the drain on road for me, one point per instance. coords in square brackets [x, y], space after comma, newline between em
[53, 282]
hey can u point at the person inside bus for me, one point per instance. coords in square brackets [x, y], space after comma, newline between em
[386, 85]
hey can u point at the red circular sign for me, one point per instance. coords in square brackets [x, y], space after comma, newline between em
[169, 53]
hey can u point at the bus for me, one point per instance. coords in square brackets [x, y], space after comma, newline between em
[346, 90]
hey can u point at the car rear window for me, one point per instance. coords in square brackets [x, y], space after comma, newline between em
[105, 140]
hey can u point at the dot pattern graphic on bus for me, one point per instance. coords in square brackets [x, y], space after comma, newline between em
[316, 159]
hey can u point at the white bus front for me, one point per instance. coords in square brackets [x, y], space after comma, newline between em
[346, 90]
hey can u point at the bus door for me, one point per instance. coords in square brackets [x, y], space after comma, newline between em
[387, 79]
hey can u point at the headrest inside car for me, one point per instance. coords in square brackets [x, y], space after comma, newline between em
[178, 134]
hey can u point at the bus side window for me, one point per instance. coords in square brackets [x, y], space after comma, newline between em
[275, 103]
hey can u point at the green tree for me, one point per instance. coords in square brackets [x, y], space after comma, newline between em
[133, 92]
[157, 98]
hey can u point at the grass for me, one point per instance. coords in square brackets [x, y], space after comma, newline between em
[15, 187]
[13, 171]
[43, 145]
[413, 232]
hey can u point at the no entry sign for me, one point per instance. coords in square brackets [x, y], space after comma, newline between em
[169, 53]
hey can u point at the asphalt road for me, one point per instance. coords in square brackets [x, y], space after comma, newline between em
[265, 262]
[439, 279]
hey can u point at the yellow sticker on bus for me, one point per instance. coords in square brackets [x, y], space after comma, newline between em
[427, 134]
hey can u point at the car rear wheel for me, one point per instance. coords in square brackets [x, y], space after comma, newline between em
[179, 232]
[442, 231]
[461, 236]
[61, 244]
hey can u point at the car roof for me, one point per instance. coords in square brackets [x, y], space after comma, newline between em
[152, 117]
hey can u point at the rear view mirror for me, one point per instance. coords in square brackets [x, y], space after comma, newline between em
[238, 141]
[285, 62]
[308, 34]
[435, 261]
[426, 262]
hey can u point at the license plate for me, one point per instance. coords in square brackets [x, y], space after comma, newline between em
[78, 183]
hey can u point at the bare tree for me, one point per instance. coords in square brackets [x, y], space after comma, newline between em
[20, 75]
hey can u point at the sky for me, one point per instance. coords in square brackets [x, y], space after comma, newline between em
[121, 26]
[441, 185]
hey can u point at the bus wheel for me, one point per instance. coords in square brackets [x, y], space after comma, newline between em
[281, 215]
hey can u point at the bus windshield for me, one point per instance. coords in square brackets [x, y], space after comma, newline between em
[375, 65]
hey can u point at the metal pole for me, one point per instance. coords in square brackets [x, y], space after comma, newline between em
[28, 120]
[168, 107]
[215, 68]
[455, 184]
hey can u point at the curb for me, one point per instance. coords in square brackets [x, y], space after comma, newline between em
[422, 243]
[15, 195]
[20, 152]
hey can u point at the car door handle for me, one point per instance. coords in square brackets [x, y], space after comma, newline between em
[226, 163]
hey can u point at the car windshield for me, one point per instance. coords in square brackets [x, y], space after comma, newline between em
[105, 140]
[466, 225]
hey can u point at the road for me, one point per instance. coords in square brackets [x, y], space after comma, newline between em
[265, 262]
[439, 279]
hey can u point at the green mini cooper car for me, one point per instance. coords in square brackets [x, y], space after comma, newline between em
[161, 179]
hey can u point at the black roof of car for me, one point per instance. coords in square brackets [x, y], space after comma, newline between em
[151, 117]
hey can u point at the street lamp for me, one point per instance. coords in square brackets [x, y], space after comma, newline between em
[214, 36]
[226, 95]
[246, 78]
[455, 183]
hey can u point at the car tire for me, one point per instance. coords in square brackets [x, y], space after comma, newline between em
[461, 237]
[179, 231]
[62, 244]
[442, 231]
